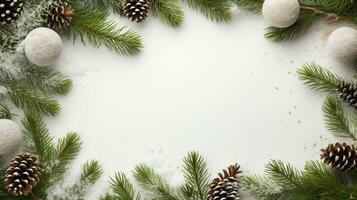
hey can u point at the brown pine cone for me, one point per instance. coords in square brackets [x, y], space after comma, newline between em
[136, 10]
[59, 15]
[226, 185]
[22, 175]
[340, 156]
[348, 92]
[10, 10]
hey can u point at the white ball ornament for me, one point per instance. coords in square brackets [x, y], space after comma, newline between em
[281, 13]
[43, 46]
[342, 44]
[10, 137]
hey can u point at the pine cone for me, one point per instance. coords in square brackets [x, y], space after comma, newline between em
[340, 156]
[225, 186]
[10, 10]
[136, 10]
[22, 175]
[59, 15]
[348, 92]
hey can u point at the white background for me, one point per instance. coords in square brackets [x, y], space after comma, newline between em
[221, 89]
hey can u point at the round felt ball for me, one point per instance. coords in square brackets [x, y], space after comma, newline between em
[43, 46]
[10, 137]
[342, 44]
[281, 13]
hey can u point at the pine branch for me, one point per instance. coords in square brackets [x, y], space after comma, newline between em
[168, 11]
[336, 120]
[153, 183]
[215, 10]
[285, 175]
[47, 80]
[37, 137]
[92, 171]
[28, 99]
[263, 188]
[5, 112]
[315, 182]
[94, 28]
[316, 174]
[254, 6]
[122, 188]
[67, 149]
[319, 78]
[187, 191]
[196, 174]
[117, 5]
[293, 32]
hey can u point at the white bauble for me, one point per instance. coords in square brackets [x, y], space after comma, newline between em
[43, 46]
[342, 44]
[281, 13]
[10, 137]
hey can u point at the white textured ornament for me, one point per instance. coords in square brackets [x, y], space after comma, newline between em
[342, 44]
[43, 46]
[10, 137]
[281, 13]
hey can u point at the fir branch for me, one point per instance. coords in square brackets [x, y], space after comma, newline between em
[336, 120]
[263, 188]
[300, 27]
[315, 182]
[215, 10]
[319, 78]
[196, 174]
[47, 80]
[67, 149]
[153, 183]
[117, 5]
[187, 191]
[29, 99]
[94, 28]
[254, 6]
[91, 172]
[122, 188]
[285, 175]
[168, 11]
[37, 137]
[316, 174]
[5, 112]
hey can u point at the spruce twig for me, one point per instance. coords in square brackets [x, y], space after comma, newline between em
[153, 183]
[337, 121]
[216, 10]
[196, 175]
[122, 188]
[319, 78]
[94, 28]
[168, 11]
[5, 112]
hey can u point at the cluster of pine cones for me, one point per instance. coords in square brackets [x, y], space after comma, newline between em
[59, 15]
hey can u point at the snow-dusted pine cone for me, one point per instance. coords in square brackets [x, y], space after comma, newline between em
[340, 156]
[225, 186]
[348, 92]
[10, 10]
[136, 10]
[22, 175]
[59, 15]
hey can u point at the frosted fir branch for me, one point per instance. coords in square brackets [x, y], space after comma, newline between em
[29, 19]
